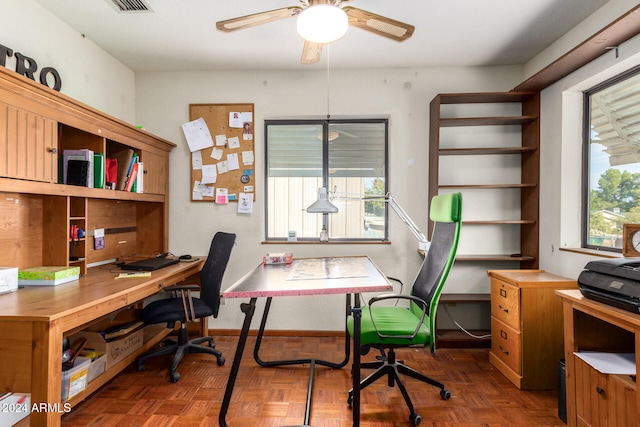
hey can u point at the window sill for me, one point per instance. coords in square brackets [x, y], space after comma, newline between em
[594, 252]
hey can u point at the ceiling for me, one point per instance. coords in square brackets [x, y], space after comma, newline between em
[181, 34]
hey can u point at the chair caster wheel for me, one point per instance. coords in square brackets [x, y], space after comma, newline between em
[140, 367]
[415, 419]
[221, 361]
[445, 394]
[350, 400]
[175, 377]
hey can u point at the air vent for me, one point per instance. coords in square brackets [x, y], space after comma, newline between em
[130, 5]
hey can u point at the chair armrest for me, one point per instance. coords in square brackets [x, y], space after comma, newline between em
[418, 301]
[178, 288]
[184, 292]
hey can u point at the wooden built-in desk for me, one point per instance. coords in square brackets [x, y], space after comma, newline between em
[595, 399]
[34, 320]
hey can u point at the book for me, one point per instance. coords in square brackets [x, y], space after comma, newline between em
[130, 175]
[111, 173]
[123, 158]
[77, 172]
[47, 275]
[98, 170]
[139, 185]
[82, 154]
[120, 330]
[133, 176]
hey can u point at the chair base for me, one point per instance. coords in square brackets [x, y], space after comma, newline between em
[178, 348]
[391, 368]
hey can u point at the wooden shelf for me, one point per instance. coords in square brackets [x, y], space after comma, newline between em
[485, 150]
[12, 185]
[500, 222]
[494, 257]
[486, 121]
[483, 98]
[451, 338]
[486, 186]
[456, 338]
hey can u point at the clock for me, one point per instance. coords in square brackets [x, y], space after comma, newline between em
[631, 240]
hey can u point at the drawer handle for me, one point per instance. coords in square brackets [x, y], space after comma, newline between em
[503, 293]
[599, 390]
[53, 150]
[503, 350]
[506, 310]
[503, 334]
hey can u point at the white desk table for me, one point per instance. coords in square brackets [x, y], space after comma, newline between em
[351, 275]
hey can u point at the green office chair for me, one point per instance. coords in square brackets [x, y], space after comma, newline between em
[386, 327]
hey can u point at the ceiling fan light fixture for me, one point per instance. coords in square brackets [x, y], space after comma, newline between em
[322, 23]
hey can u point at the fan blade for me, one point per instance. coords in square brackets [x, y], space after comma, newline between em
[378, 24]
[311, 52]
[247, 21]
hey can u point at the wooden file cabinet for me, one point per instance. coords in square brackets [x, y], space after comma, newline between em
[526, 326]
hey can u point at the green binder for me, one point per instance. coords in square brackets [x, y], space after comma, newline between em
[98, 170]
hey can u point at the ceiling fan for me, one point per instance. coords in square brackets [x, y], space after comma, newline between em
[377, 24]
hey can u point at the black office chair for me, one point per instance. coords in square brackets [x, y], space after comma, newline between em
[183, 307]
[386, 327]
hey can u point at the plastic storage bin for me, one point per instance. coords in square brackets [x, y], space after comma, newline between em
[75, 379]
[96, 367]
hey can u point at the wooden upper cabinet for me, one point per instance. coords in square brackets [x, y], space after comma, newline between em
[37, 124]
[28, 144]
[156, 171]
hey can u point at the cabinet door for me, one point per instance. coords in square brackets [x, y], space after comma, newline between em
[156, 170]
[592, 395]
[29, 141]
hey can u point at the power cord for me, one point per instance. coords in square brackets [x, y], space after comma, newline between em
[446, 309]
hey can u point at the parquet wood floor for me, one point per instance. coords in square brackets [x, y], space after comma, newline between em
[265, 397]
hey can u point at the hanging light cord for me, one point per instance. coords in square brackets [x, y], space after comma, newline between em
[328, 82]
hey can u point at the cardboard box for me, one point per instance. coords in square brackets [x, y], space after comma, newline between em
[47, 275]
[8, 279]
[116, 349]
[75, 379]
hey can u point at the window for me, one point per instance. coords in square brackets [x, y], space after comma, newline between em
[348, 157]
[612, 160]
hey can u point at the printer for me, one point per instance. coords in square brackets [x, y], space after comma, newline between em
[613, 281]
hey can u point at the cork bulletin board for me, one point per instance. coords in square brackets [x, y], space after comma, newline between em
[222, 165]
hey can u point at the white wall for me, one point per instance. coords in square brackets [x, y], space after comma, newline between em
[88, 73]
[403, 95]
[561, 145]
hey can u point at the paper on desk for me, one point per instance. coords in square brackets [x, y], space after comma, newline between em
[133, 275]
[610, 363]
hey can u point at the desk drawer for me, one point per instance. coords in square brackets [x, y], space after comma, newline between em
[505, 344]
[505, 303]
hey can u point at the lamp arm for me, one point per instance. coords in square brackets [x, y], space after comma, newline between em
[423, 242]
[422, 239]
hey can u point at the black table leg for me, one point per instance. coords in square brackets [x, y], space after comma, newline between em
[248, 310]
